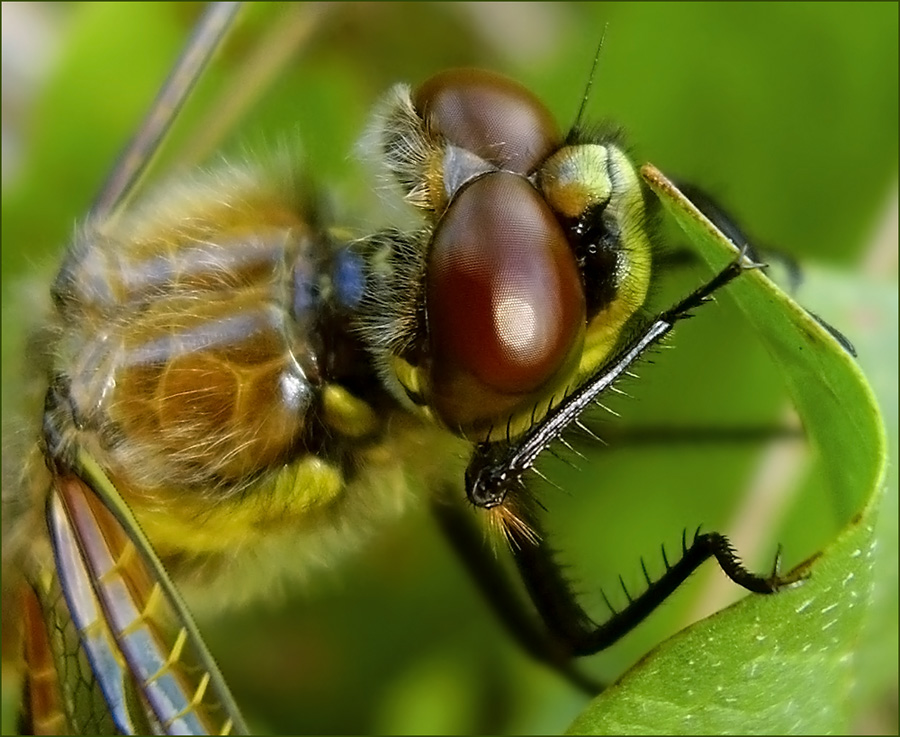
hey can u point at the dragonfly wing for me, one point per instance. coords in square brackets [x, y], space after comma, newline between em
[145, 655]
[60, 694]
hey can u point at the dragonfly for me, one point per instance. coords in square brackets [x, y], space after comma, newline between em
[80, 480]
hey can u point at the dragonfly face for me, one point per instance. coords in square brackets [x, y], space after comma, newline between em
[173, 378]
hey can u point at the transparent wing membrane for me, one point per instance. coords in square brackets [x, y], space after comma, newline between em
[144, 651]
[43, 708]
[63, 695]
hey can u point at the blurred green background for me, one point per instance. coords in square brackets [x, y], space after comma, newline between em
[787, 112]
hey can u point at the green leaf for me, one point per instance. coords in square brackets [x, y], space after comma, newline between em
[780, 664]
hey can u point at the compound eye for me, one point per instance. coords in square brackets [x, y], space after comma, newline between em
[505, 300]
[489, 115]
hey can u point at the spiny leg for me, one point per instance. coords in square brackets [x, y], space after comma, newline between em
[557, 604]
[497, 468]
[497, 585]
[494, 479]
[563, 629]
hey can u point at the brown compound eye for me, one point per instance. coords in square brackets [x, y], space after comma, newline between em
[489, 115]
[505, 300]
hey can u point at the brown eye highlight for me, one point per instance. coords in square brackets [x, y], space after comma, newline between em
[489, 115]
[505, 300]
